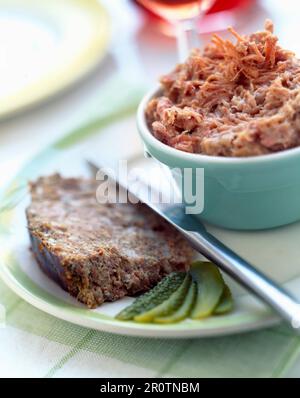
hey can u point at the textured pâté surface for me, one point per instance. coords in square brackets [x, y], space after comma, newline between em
[237, 98]
[99, 252]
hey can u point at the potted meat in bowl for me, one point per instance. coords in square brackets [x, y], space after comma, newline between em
[232, 110]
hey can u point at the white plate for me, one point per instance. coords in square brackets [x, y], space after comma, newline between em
[275, 252]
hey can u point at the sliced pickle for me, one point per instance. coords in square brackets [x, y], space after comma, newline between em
[226, 302]
[210, 286]
[168, 306]
[184, 310]
[161, 292]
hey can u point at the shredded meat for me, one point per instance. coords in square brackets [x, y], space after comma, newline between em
[233, 99]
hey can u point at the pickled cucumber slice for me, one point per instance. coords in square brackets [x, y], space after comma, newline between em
[184, 310]
[168, 306]
[210, 286]
[161, 292]
[226, 302]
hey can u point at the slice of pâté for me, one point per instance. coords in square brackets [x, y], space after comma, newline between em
[99, 252]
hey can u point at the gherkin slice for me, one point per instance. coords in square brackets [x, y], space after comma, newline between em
[210, 286]
[226, 302]
[168, 306]
[184, 310]
[161, 292]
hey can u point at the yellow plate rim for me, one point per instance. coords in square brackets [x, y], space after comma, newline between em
[62, 78]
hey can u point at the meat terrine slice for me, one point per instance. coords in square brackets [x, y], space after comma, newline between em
[99, 252]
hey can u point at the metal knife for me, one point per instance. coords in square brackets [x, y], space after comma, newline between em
[281, 301]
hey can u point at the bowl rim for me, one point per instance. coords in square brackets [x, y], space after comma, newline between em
[147, 136]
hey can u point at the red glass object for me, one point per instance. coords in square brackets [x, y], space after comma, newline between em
[176, 9]
[219, 5]
[186, 19]
[223, 5]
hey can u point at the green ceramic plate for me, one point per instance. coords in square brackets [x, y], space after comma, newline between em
[276, 252]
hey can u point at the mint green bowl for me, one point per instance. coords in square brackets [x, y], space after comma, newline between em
[250, 193]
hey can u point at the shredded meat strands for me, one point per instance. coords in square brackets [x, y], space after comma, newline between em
[239, 99]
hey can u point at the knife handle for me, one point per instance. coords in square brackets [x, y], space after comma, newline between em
[248, 276]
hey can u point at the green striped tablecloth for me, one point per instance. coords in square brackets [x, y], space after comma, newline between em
[34, 344]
